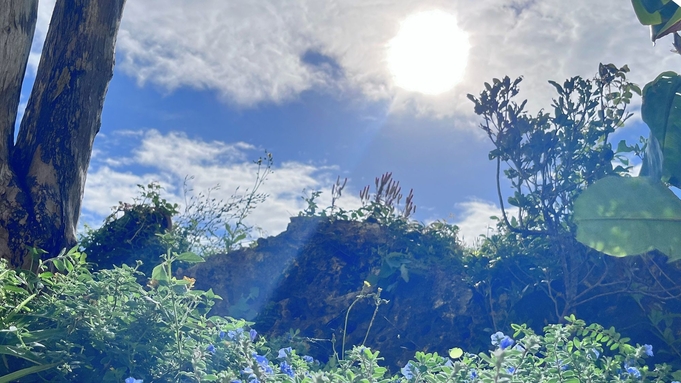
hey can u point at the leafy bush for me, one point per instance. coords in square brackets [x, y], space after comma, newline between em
[205, 225]
[104, 326]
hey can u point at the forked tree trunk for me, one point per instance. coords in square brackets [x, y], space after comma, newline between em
[42, 175]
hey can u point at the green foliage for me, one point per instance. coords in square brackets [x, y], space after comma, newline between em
[661, 110]
[142, 230]
[104, 326]
[129, 233]
[645, 215]
[211, 226]
[573, 352]
[550, 158]
[633, 215]
[382, 206]
[663, 17]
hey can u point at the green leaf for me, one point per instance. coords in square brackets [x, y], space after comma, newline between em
[645, 16]
[190, 257]
[455, 353]
[629, 216]
[663, 16]
[159, 273]
[26, 371]
[661, 110]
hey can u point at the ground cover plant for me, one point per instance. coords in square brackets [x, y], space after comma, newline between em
[75, 325]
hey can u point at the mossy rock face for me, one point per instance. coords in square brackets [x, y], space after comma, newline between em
[307, 277]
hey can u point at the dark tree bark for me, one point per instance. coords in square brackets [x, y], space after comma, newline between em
[42, 175]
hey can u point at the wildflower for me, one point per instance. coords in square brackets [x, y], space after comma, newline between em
[284, 352]
[286, 368]
[474, 374]
[407, 372]
[263, 363]
[133, 380]
[253, 334]
[211, 349]
[234, 334]
[221, 335]
[497, 337]
[632, 371]
[511, 370]
[308, 359]
[262, 360]
[506, 342]
[648, 349]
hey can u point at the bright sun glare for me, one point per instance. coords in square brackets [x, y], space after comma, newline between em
[429, 53]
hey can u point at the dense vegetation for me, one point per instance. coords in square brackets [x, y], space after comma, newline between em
[121, 315]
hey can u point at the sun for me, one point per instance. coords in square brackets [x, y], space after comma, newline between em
[429, 53]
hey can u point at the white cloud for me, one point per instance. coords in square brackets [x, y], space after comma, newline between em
[250, 51]
[474, 220]
[168, 159]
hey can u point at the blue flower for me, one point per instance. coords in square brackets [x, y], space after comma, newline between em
[506, 342]
[286, 369]
[511, 370]
[234, 334]
[221, 335]
[253, 334]
[211, 349]
[133, 380]
[263, 363]
[308, 359]
[406, 371]
[633, 371]
[648, 349]
[261, 359]
[284, 352]
[496, 338]
[474, 374]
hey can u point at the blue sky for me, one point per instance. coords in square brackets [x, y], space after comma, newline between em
[202, 88]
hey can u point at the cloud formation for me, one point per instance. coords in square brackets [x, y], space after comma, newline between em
[474, 220]
[251, 51]
[169, 158]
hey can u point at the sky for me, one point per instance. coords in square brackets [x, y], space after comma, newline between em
[202, 88]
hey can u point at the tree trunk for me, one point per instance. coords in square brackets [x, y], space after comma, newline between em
[42, 175]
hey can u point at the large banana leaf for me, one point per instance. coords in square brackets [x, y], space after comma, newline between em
[663, 16]
[627, 216]
[661, 110]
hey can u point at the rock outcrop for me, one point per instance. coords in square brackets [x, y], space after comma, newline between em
[307, 277]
